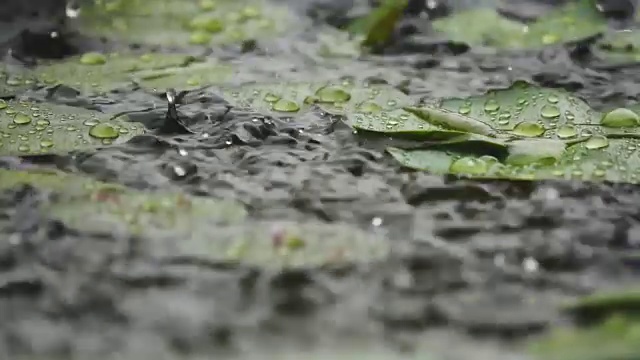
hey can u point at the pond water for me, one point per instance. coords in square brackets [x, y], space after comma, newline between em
[478, 268]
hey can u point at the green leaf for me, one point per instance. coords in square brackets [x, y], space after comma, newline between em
[604, 304]
[482, 26]
[545, 134]
[98, 207]
[98, 73]
[619, 47]
[616, 339]
[185, 78]
[29, 128]
[576, 20]
[334, 97]
[178, 22]
[379, 25]
[13, 82]
[175, 225]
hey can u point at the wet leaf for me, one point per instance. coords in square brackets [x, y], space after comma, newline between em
[481, 26]
[97, 207]
[179, 22]
[338, 98]
[29, 128]
[616, 339]
[13, 82]
[379, 25]
[547, 134]
[191, 77]
[599, 305]
[290, 245]
[576, 20]
[619, 48]
[98, 73]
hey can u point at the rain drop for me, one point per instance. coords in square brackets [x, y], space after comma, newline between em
[93, 58]
[620, 118]
[491, 105]
[596, 142]
[104, 131]
[469, 165]
[566, 131]
[21, 119]
[332, 94]
[284, 105]
[528, 129]
[549, 111]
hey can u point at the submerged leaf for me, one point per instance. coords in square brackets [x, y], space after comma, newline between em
[29, 128]
[599, 305]
[619, 47]
[96, 207]
[180, 22]
[95, 72]
[576, 20]
[207, 229]
[13, 82]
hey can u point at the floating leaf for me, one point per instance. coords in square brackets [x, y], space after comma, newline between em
[545, 134]
[379, 25]
[482, 26]
[98, 207]
[576, 20]
[616, 339]
[179, 22]
[95, 72]
[292, 245]
[184, 78]
[29, 128]
[338, 98]
[619, 47]
[600, 305]
[207, 229]
[13, 82]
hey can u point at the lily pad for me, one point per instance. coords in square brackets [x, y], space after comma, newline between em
[290, 245]
[619, 47]
[185, 78]
[546, 134]
[333, 97]
[574, 21]
[599, 305]
[99, 207]
[13, 82]
[30, 128]
[616, 339]
[180, 22]
[179, 226]
[98, 73]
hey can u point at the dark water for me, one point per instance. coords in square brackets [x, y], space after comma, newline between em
[479, 268]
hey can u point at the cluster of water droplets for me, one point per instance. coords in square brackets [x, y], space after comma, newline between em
[34, 128]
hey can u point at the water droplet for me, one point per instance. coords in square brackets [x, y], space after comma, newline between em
[549, 39]
[620, 118]
[46, 144]
[332, 94]
[285, 106]
[549, 111]
[3, 104]
[104, 131]
[369, 107]
[199, 37]
[566, 131]
[553, 99]
[521, 101]
[91, 122]
[271, 97]
[207, 5]
[24, 148]
[464, 109]
[491, 105]
[21, 119]
[469, 165]
[93, 58]
[528, 129]
[596, 142]
[599, 172]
